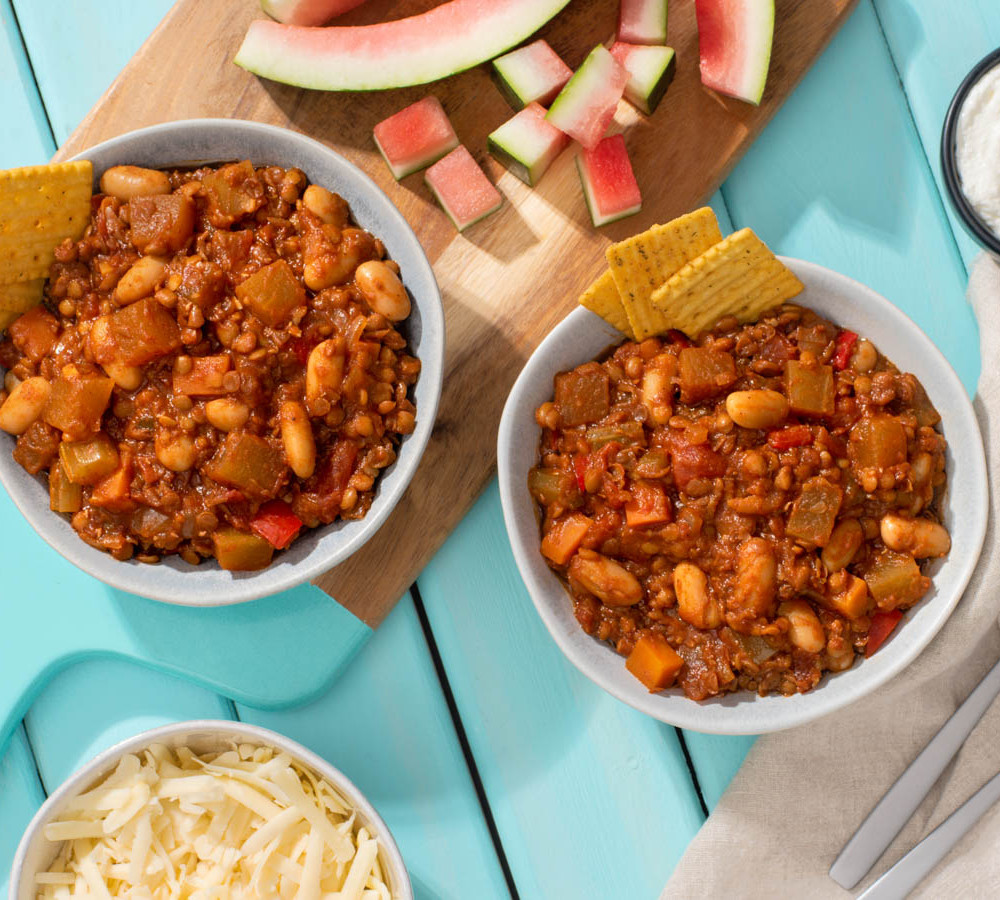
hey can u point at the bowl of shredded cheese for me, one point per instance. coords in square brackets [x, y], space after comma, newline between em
[208, 809]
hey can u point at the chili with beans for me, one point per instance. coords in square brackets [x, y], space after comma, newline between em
[217, 365]
[745, 512]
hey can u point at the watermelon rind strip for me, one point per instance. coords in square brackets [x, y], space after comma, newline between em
[356, 58]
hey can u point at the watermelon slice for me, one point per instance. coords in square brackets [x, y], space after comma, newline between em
[527, 144]
[650, 70]
[307, 12]
[462, 188]
[734, 41]
[642, 21]
[586, 106]
[449, 38]
[609, 184]
[531, 74]
[415, 137]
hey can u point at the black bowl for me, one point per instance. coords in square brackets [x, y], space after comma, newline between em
[969, 217]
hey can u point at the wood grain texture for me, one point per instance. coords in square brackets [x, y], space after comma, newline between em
[506, 281]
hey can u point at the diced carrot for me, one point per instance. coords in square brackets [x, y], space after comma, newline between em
[563, 539]
[204, 378]
[649, 505]
[113, 491]
[654, 662]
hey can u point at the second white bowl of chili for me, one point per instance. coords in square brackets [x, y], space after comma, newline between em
[583, 337]
[231, 436]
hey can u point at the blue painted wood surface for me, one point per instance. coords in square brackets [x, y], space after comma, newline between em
[588, 798]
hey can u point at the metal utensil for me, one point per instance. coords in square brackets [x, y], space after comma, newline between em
[892, 812]
[906, 874]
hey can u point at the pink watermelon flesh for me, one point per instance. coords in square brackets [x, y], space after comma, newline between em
[609, 184]
[642, 21]
[527, 144]
[444, 40]
[585, 107]
[734, 41]
[462, 188]
[531, 74]
[307, 12]
[415, 137]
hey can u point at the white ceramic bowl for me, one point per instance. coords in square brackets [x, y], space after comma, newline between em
[35, 853]
[582, 336]
[316, 551]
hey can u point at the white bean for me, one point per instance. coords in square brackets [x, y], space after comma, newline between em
[382, 290]
[329, 207]
[921, 537]
[126, 182]
[757, 409]
[694, 604]
[175, 450]
[611, 583]
[804, 628]
[128, 378]
[325, 370]
[227, 414]
[297, 437]
[24, 405]
[141, 280]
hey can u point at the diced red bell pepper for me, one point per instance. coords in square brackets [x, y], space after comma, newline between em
[843, 349]
[792, 436]
[276, 523]
[883, 623]
[580, 464]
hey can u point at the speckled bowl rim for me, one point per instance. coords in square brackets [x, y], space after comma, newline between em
[582, 336]
[967, 214]
[32, 851]
[173, 580]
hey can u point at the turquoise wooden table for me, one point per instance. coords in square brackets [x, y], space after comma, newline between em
[500, 769]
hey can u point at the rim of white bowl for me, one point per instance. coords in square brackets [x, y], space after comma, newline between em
[174, 735]
[735, 714]
[172, 580]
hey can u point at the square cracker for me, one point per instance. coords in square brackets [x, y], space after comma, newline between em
[738, 276]
[602, 297]
[18, 298]
[642, 263]
[39, 207]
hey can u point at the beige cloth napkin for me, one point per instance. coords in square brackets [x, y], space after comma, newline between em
[802, 793]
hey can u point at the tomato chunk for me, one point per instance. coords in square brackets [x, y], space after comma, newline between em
[276, 523]
[843, 349]
[882, 626]
[792, 436]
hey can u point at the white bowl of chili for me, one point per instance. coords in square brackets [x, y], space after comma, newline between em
[581, 337]
[187, 144]
[347, 810]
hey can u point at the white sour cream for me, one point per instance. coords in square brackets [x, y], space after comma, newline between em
[977, 148]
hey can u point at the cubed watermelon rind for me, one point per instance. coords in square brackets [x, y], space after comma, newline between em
[526, 144]
[519, 77]
[651, 69]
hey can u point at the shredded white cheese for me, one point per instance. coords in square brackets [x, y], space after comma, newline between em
[246, 823]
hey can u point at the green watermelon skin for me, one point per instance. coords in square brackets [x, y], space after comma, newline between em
[449, 38]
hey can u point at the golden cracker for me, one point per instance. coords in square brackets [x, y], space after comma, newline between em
[39, 207]
[602, 297]
[643, 262]
[20, 297]
[738, 276]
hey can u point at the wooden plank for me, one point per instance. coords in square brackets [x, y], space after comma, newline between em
[95, 704]
[490, 276]
[77, 49]
[590, 798]
[385, 724]
[20, 796]
[934, 45]
[24, 131]
[855, 192]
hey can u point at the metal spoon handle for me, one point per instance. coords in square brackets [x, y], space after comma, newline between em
[893, 811]
[906, 874]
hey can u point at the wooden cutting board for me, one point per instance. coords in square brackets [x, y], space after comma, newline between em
[510, 278]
